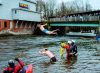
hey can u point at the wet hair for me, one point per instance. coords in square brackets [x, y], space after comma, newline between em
[46, 49]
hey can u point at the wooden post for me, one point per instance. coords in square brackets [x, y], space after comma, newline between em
[16, 25]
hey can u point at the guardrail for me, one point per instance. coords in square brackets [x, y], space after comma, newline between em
[74, 18]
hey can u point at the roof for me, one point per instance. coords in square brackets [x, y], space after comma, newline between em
[96, 12]
[85, 13]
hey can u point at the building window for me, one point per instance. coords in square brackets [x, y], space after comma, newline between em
[5, 24]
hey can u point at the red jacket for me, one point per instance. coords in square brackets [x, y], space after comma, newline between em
[16, 69]
[67, 46]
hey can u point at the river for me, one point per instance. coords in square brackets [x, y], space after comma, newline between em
[27, 47]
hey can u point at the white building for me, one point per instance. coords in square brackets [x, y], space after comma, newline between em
[18, 15]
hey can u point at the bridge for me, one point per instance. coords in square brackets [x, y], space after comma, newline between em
[79, 22]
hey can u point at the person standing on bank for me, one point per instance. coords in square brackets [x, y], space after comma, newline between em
[48, 53]
[41, 27]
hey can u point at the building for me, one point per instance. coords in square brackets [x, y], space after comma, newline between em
[18, 16]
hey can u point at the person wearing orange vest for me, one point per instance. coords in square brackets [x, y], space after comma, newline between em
[12, 68]
[67, 47]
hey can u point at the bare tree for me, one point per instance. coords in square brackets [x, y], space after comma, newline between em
[39, 4]
[63, 8]
[81, 6]
[88, 7]
[49, 8]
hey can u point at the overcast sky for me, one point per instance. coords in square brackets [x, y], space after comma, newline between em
[94, 3]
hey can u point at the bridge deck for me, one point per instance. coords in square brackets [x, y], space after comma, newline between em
[89, 24]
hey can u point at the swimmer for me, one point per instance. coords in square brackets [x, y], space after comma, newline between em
[45, 30]
[48, 53]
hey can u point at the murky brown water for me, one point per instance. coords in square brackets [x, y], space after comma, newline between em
[87, 60]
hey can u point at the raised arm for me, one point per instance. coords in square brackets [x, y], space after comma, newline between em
[45, 24]
[42, 52]
[20, 62]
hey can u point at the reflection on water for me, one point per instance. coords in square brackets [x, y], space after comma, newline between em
[71, 61]
[27, 47]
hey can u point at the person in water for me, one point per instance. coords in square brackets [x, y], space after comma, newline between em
[67, 47]
[45, 30]
[73, 48]
[48, 53]
[12, 68]
[62, 50]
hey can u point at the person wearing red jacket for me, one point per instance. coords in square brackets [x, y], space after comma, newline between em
[67, 47]
[12, 68]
